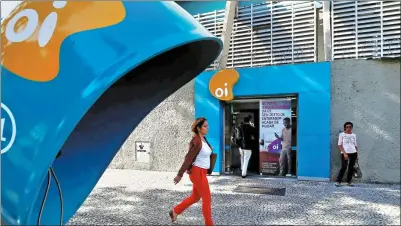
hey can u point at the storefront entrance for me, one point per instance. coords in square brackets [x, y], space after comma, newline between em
[261, 162]
[219, 96]
[235, 113]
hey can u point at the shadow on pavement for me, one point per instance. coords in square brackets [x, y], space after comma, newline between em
[304, 203]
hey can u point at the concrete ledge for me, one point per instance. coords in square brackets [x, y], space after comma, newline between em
[215, 174]
[314, 178]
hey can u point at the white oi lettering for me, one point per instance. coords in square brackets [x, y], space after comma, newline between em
[8, 112]
[220, 91]
[275, 147]
[45, 32]
[3, 121]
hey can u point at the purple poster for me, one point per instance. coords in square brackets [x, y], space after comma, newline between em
[272, 113]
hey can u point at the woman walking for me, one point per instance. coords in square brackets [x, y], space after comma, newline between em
[349, 153]
[197, 165]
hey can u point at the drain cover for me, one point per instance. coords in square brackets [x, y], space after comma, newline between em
[260, 190]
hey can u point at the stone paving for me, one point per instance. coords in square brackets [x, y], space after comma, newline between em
[128, 197]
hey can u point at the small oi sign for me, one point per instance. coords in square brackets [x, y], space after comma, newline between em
[222, 83]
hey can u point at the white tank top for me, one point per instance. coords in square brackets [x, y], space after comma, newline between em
[203, 158]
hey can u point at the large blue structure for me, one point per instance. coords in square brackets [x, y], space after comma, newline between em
[310, 82]
[100, 56]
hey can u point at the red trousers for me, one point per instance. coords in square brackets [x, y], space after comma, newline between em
[200, 189]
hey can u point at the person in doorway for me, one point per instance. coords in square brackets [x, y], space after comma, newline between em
[250, 120]
[254, 160]
[248, 134]
[349, 153]
[286, 147]
[196, 164]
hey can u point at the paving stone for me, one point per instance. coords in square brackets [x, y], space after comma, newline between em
[128, 197]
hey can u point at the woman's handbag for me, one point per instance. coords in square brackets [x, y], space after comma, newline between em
[213, 158]
[357, 170]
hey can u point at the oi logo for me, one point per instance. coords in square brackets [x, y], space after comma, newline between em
[8, 129]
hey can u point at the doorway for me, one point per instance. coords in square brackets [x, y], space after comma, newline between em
[234, 114]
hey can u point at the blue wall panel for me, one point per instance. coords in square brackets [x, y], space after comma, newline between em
[202, 85]
[209, 108]
[311, 82]
[199, 7]
[314, 134]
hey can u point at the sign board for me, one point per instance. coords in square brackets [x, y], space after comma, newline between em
[222, 83]
[272, 114]
[142, 149]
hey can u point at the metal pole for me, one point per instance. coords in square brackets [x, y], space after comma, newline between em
[226, 34]
[327, 31]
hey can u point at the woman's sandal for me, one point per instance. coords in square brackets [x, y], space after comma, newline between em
[171, 213]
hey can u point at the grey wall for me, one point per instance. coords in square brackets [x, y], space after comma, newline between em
[367, 93]
[167, 127]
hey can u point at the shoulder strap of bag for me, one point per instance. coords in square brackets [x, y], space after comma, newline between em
[207, 142]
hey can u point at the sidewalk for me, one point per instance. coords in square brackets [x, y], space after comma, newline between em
[140, 197]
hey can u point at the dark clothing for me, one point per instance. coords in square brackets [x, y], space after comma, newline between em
[248, 132]
[344, 163]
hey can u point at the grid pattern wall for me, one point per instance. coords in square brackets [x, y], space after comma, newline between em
[268, 33]
[213, 22]
[273, 33]
[365, 29]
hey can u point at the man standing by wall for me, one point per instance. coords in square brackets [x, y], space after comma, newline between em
[286, 147]
[349, 153]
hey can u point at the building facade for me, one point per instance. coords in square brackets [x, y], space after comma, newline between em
[336, 63]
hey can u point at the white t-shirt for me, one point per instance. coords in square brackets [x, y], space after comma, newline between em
[203, 158]
[348, 141]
